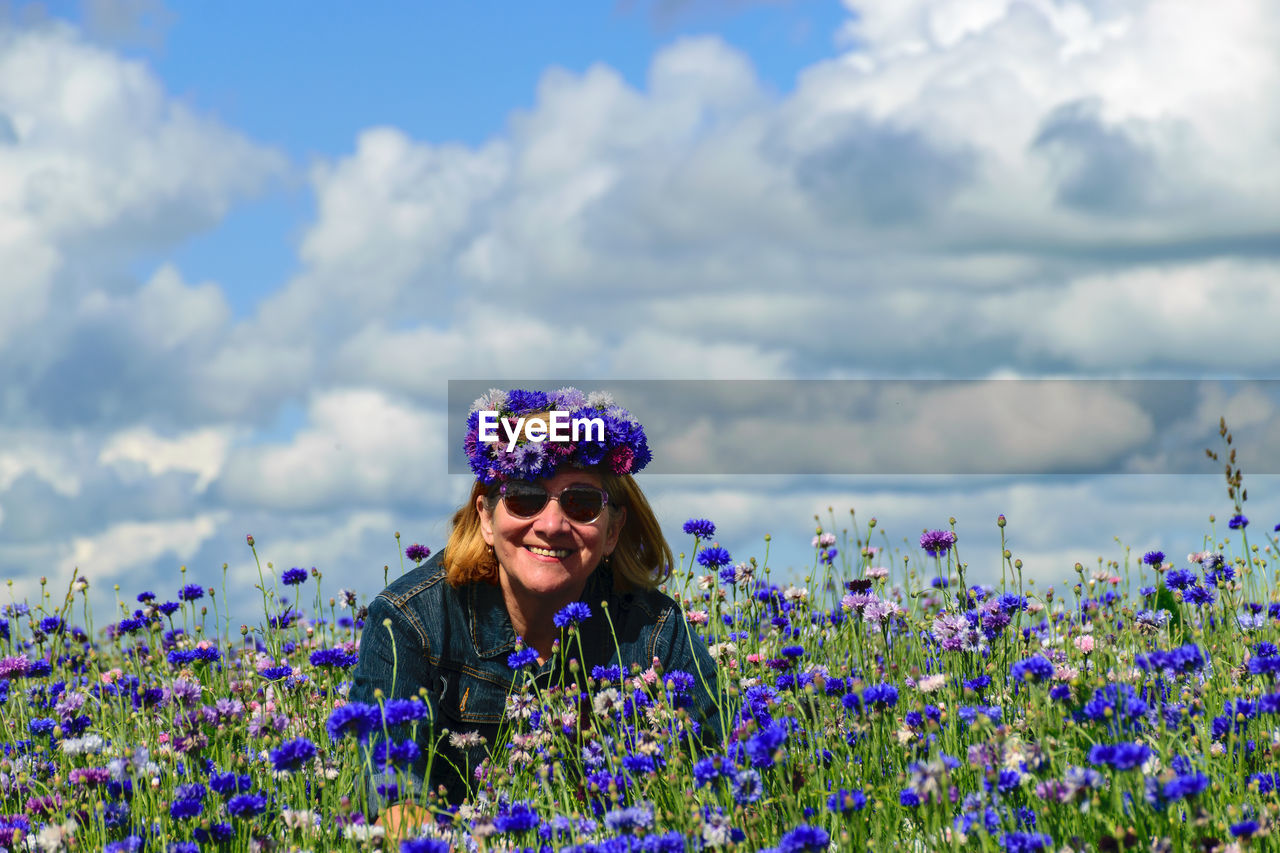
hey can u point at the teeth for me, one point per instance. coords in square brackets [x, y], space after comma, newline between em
[546, 552]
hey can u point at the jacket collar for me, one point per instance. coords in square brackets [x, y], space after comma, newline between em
[491, 631]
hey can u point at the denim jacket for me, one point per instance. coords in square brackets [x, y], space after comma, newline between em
[454, 644]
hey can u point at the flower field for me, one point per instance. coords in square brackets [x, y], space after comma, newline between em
[885, 703]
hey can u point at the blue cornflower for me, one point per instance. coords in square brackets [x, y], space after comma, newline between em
[1179, 578]
[1198, 595]
[190, 592]
[129, 844]
[714, 557]
[1244, 829]
[629, 818]
[572, 614]
[1035, 668]
[334, 658]
[1238, 522]
[937, 542]
[804, 838]
[247, 805]
[145, 597]
[291, 755]
[52, 624]
[843, 801]
[417, 552]
[518, 817]
[1147, 591]
[938, 582]
[1153, 558]
[424, 845]
[1121, 756]
[704, 529]
[354, 718]
[881, 694]
[1186, 786]
[606, 673]
[182, 847]
[1025, 842]
[185, 808]
[294, 576]
[229, 783]
[522, 658]
[397, 712]
[169, 608]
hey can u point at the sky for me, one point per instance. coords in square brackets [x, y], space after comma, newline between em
[242, 257]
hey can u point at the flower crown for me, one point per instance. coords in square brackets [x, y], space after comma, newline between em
[623, 449]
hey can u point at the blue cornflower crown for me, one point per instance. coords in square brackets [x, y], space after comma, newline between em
[623, 450]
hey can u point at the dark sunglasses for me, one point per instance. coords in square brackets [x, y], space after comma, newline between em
[583, 504]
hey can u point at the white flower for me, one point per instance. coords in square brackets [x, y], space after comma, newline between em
[605, 701]
[363, 832]
[83, 745]
[795, 593]
[930, 683]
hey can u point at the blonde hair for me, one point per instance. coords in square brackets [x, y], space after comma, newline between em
[641, 559]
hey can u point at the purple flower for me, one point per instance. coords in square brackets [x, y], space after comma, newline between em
[292, 755]
[804, 838]
[355, 718]
[294, 576]
[1238, 522]
[1186, 786]
[332, 657]
[1025, 842]
[247, 805]
[714, 557]
[1121, 756]
[843, 801]
[1153, 558]
[937, 542]
[629, 818]
[572, 614]
[881, 694]
[190, 592]
[1034, 668]
[398, 712]
[1246, 828]
[417, 552]
[424, 845]
[704, 529]
[522, 658]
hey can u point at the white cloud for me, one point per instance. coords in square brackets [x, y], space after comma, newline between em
[201, 452]
[1215, 314]
[105, 557]
[30, 452]
[361, 447]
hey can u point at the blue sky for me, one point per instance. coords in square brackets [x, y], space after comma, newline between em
[244, 253]
[309, 77]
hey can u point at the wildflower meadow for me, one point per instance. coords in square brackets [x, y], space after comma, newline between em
[880, 701]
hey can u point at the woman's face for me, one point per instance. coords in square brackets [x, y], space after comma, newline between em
[549, 557]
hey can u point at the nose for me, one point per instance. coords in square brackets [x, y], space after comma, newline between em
[552, 519]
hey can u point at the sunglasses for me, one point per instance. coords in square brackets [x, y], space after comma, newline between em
[583, 504]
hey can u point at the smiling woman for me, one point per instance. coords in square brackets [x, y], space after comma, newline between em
[555, 538]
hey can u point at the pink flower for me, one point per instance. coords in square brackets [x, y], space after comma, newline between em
[697, 617]
[1084, 643]
[620, 459]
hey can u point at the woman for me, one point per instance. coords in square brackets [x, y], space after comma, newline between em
[548, 524]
